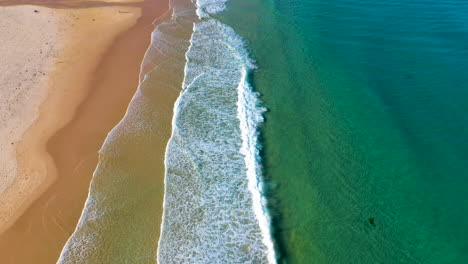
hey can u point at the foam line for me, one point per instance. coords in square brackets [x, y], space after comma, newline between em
[250, 117]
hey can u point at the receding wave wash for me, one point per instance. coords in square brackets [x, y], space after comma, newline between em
[214, 211]
[122, 216]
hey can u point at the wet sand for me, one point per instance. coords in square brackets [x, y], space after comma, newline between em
[92, 89]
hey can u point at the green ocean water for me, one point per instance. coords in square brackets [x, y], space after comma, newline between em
[365, 139]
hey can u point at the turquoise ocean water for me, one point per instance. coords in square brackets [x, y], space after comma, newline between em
[304, 131]
[367, 122]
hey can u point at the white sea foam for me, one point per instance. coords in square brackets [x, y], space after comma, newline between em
[250, 117]
[207, 7]
[213, 208]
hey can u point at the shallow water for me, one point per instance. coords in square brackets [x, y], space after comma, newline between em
[122, 216]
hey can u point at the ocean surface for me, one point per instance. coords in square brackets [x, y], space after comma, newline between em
[366, 135]
[304, 131]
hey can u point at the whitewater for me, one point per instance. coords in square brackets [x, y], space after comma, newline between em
[214, 210]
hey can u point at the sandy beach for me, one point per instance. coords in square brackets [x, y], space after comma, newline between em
[28, 50]
[69, 69]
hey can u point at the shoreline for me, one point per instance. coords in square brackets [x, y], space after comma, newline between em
[123, 212]
[45, 224]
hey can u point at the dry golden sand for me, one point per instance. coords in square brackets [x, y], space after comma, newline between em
[56, 58]
[27, 52]
[67, 79]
